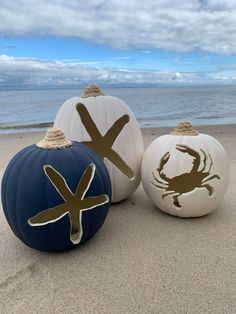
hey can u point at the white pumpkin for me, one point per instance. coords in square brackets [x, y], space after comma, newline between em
[106, 124]
[185, 173]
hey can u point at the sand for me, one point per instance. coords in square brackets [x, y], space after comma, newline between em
[141, 260]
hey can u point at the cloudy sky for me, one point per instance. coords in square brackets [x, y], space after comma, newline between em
[61, 42]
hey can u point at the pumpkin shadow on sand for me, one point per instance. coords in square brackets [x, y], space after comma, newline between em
[166, 215]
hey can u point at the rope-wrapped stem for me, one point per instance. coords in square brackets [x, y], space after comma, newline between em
[184, 128]
[92, 91]
[54, 139]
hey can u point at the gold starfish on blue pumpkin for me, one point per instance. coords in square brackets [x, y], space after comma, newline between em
[75, 203]
[102, 144]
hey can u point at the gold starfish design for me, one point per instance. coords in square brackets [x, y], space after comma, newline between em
[74, 204]
[102, 144]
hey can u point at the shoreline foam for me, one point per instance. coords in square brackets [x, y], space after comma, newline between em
[38, 127]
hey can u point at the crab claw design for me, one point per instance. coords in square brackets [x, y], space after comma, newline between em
[163, 161]
[185, 149]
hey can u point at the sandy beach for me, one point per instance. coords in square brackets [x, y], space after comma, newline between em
[141, 260]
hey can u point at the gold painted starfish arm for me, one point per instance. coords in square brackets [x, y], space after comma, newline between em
[48, 215]
[76, 226]
[115, 130]
[120, 163]
[88, 122]
[85, 182]
[59, 182]
[94, 201]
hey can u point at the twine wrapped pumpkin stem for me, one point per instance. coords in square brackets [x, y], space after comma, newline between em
[92, 91]
[54, 139]
[184, 128]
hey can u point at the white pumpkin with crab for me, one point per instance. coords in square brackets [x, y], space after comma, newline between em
[185, 173]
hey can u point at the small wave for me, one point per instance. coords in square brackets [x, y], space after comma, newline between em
[161, 117]
[217, 116]
[42, 125]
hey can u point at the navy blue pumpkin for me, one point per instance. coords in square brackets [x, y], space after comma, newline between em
[55, 194]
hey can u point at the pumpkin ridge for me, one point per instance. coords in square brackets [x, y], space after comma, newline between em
[12, 163]
[17, 211]
[14, 213]
[47, 183]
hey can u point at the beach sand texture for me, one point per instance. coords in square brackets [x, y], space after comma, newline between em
[141, 260]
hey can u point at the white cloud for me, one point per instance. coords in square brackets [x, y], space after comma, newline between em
[180, 25]
[25, 71]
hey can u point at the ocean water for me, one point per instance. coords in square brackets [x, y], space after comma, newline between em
[27, 110]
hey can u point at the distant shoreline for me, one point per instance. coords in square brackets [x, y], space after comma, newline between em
[82, 87]
[42, 127]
